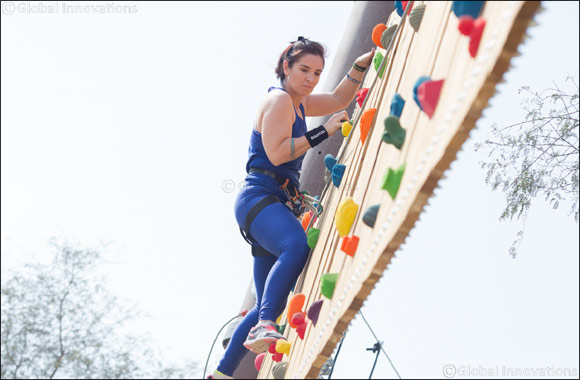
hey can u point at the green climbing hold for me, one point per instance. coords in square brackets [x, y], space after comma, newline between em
[327, 284]
[370, 215]
[394, 133]
[392, 180]
[281, 328]
[312, 237]
[377, 62]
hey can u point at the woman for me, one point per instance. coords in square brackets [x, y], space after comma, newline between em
[267, 206]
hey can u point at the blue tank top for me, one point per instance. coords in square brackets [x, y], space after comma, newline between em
[257, 157]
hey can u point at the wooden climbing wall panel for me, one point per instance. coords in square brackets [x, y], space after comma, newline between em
[437, 50]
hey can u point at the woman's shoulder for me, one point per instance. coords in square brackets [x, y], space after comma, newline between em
[277, 98]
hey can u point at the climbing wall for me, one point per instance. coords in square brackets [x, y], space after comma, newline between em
[445, 70]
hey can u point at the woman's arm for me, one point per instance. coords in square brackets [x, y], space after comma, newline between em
[340, 98]
[277, 130]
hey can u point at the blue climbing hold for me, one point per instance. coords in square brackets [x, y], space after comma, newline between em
[470, 8]
[329, 161]
[417, 84]
[370, 215]
[397, 105]
[337, 172]
[399, 8]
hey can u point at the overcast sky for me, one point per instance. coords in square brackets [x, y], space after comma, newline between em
[132, 127]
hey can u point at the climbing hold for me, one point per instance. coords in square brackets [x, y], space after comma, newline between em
[377, 32]
[400, 6]
[366, 121]
[298, 318]
[416, 86]
[388, 35]
[314, 311]
[329, 161]
[306, 218]
[327, 284]
[272, 348]
[370, 216]
[345, 214]
[295, 306]
[361, 95]
[470, 8]
[394, 133]
[279, 370]
[416, 15]
[301, 329]
[283, 346]
[377, 61]
[337, 173]
[346, 128]
[277, 357]
[349, 245]
[397, 105]
[392, 180]
[259, 360]
[428, 94]
[312, 237]
[474, 29]
[281, 329]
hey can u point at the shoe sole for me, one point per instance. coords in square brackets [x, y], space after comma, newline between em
[260, 346]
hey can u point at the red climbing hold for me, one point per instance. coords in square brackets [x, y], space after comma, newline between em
[361, 95]
[428, 94]
[474, 29]
[300, 330]
[404, 3]
[478, 26]
[278, 356]
[349, 245]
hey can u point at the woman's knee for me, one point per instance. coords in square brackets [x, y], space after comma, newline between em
[297, 248]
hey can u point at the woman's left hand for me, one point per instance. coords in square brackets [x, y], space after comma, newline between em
[366, 59]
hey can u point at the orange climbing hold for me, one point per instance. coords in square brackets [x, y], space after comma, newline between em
[377, 33]
[349, 245]
[306, 219]
[295, 306]
[366, 120]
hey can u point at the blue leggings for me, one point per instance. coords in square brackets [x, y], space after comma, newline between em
[278, 231]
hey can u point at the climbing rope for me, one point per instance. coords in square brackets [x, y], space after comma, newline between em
[241, 314]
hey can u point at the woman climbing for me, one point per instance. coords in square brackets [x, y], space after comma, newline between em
[268, 204]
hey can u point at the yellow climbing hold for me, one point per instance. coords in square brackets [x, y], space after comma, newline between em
[283, 346]
[345, 215]
[346, 128]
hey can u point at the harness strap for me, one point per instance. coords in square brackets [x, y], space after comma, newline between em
[254, 211]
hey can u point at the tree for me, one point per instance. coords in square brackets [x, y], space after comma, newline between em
[537, 155]
[59, 321]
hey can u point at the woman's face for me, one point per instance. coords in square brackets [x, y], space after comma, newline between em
[303, 76]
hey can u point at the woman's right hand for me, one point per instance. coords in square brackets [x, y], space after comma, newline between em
[335, 122]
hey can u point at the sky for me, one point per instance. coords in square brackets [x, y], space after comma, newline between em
[131, 127]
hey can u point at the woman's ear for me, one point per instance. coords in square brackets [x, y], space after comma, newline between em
[286, 68]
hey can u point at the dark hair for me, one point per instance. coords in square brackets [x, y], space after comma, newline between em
[295, 51]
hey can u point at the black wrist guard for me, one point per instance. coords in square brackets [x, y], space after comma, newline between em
[316, 136]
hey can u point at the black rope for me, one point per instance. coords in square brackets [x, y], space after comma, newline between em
[376, 348]
[381, 346]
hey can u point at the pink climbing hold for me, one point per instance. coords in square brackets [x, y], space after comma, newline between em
[361, 95]
[474, 29]
[259, 360]
[428, 94]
